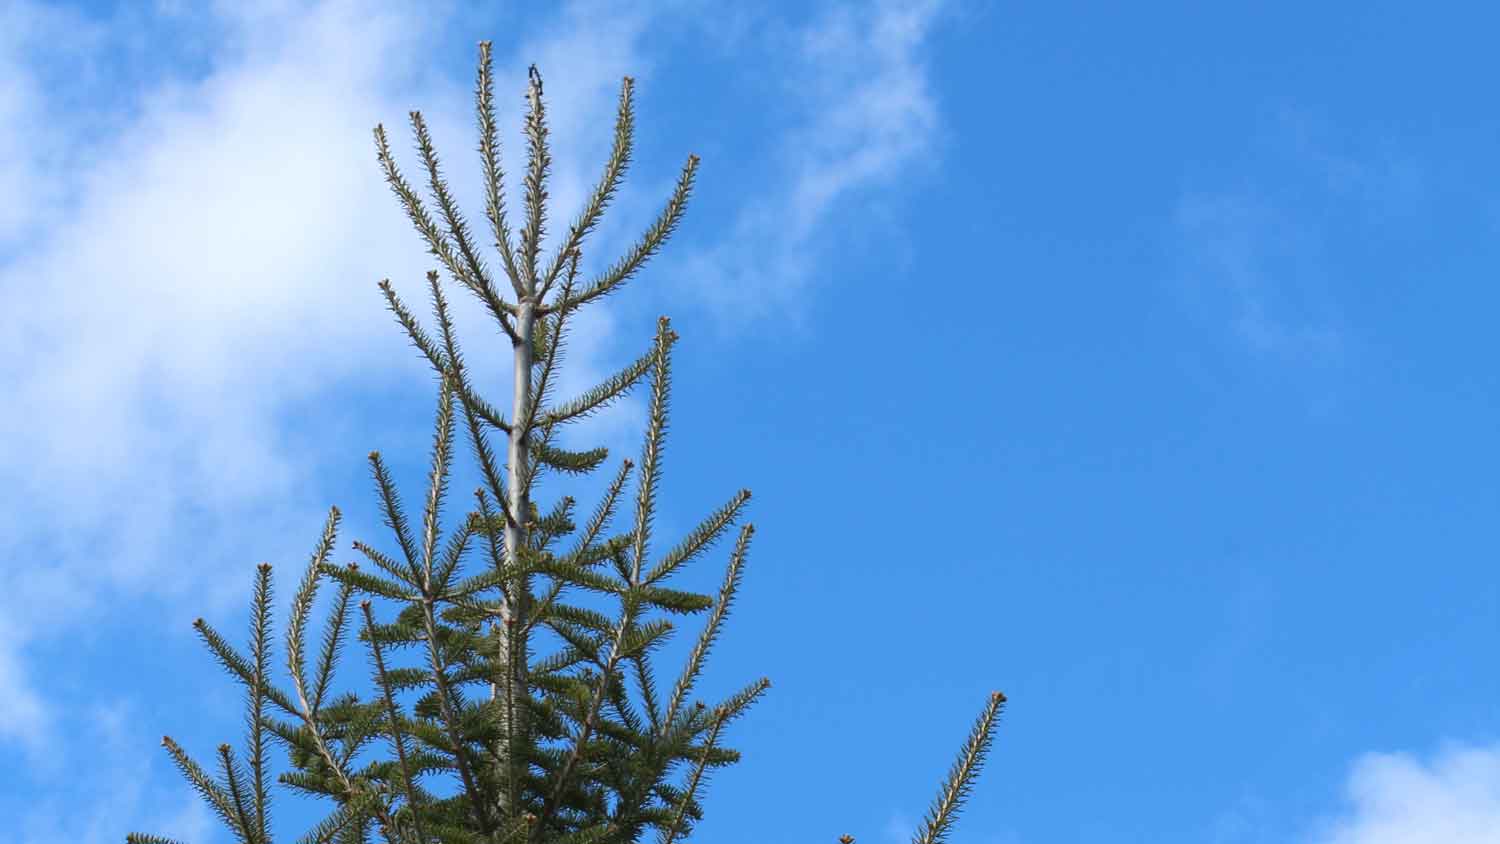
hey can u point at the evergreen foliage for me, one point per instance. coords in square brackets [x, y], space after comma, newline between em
[556, 752]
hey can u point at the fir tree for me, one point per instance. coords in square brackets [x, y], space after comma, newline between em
[556, 752]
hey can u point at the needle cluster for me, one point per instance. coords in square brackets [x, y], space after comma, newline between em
[556, 752]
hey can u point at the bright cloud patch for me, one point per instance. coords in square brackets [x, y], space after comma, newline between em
[1398, 799]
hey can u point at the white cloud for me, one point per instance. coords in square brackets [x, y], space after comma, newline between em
[1396, 798]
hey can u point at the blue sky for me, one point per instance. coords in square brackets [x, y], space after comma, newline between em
[1139, 364]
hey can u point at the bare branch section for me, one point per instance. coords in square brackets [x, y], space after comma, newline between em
[557, 753]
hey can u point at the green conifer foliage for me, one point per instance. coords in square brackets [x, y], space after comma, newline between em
[555, 753]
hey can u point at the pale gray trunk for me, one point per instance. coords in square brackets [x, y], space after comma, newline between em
[514, 610]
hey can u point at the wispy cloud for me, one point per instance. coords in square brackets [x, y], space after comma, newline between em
[1397, 798]
[1250, 262]
[35, 146]
[866, 117]
[1260, 256]
[117, 781]
[22, 712]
